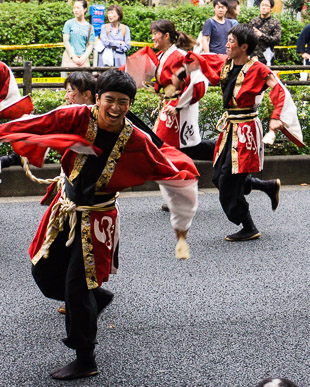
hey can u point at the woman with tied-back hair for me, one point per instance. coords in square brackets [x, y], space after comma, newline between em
[177, 123]
[80, 88]
[233, 11]
[78, 38]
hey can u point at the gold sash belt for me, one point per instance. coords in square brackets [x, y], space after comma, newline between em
[234, 118]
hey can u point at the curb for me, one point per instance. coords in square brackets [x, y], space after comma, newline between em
[291, 170]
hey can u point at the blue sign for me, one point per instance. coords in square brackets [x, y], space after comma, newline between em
[97, 17]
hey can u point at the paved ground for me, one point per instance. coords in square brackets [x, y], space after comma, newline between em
[233, 314]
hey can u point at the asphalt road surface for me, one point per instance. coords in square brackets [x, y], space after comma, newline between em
[230, 316]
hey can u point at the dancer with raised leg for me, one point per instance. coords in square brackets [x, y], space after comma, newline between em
[239, 150]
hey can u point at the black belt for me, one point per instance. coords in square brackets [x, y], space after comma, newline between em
[240, 112]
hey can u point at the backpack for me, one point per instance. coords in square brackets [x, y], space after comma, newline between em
[122, 28]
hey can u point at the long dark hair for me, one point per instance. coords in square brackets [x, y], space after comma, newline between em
[179, 38]
[231, 9]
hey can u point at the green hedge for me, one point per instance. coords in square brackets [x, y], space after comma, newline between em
[29, 23]
[210, 111]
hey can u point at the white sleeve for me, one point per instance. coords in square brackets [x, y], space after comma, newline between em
[187, 96]
[181, 197]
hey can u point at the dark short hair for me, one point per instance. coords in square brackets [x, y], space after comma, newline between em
[223, 2]
[245, 34]
[84, 3]
[83, 81]
[116, 80]
[270, 1]
[283, 382]
[117, 9]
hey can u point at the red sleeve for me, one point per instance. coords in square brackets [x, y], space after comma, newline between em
[211, 65]
[71, 119]
[4, 80]
[277, 96]
[198, 92]
[61, 129]
[172, 64]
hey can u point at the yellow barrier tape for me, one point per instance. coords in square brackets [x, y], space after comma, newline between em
[61, 80]
[141, 44]
[31, 46]
[57, 45]
[43, 80]
[279, 47]
[293, 72]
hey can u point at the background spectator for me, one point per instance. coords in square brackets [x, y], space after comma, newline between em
[78, 37]
[116, 36]
[233, 11]
[268, 31]
[215, 30]
[302, 41]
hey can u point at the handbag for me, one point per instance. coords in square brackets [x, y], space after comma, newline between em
[107, 57]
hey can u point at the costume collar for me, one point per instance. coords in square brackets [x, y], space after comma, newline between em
[240, 78]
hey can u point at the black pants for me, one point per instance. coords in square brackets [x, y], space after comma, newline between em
[61, 276]
[232, 187]
[202, 151]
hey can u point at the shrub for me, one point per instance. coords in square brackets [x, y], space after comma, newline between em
[32, 23]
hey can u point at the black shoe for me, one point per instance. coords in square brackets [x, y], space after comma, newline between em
[165, 208]
[243, 235]
[270, 187]
[273, 191]
[76, 370]
[248, 232]
[9, 160]
[103, 298]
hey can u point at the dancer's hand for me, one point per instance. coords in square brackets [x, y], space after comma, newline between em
[171, 111]
[275, 125]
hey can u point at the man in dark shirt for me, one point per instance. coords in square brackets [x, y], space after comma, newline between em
[215, 30]
[302, 41]
[268, 31]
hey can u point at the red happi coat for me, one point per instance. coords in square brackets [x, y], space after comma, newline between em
[133, 160]
[11, 104]
[247, 146]
[181, 130]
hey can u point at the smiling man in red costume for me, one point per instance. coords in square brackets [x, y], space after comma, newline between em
[239, 150]
[76, 245]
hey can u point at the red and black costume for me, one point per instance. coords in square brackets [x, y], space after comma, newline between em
[76, 245]
[182, 130]
[239, 149]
